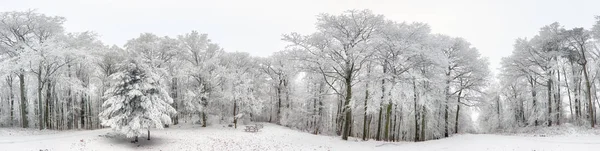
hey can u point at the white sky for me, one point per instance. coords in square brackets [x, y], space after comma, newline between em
[256, 26]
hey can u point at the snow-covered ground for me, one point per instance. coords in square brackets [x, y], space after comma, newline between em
[272, 137]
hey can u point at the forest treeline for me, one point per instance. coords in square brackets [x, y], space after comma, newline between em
[359, 75]
[549, 79]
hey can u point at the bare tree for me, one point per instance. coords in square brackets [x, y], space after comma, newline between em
[339, 51]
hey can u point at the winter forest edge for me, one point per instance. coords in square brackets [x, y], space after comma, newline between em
[359, 75]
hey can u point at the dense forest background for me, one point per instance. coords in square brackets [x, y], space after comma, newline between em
[359, 75]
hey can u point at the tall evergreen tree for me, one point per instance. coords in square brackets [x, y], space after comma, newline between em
[136, 101]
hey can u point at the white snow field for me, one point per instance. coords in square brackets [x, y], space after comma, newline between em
[272, 137]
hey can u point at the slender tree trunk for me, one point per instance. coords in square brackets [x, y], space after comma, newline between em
[207, 89]
[320, 110]
[82, 111]
[234, 113]
[498, 112]
[568, 91]
[364, 137]
[378, 136]
[576, 92]
[578, 101]
[457, 112]
[89, 112]
[287, 93]
[204, 119]
[56, 109]
[388, 113]
[423, 124]
[48, 100]
[393, 137]
[70, 114]
[175, 118]
[534, 102]
[549, 87]
[521, 111]
[416, 110]
[39, 90]
[589, 95]
[279, 102]
[558, 99]
[62, 116]
[148, 134]
[383, 93]
[369, 126]
[388, 122]
[446, 107]
[11, 98]
[399, 123]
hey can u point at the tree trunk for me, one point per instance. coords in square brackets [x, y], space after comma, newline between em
[457, 112]
[589, 95]
[279, 101]
[381, 105]
[416, 110]
[319, 110]
[48, 100]
[399, 124]
[11, 98]
[446, 108]
[70, 114]
[25, 122]
[82, 112]
[340, 116]
[520, 116]
[386, 131]
[39, 90]
[175, 118]
[56, 109]
[148, 134]
[498, 112]
[89, 111]
[568, 92]
[234, 113]
[578, 107]
[369, 127]
[534, 97]
[549, 87]
[347, 106]
[394, 127]
[378, 136]
[423, 124]
[576, 92]
[207, 90]
[364, 137]
[287, 93]
[558, 99]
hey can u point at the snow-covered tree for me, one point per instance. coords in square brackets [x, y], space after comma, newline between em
[136, 101]
[23, 34]
[339, 50]
[200, 64]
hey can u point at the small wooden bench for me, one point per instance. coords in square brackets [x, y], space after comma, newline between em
[259, 126]
[251, 128]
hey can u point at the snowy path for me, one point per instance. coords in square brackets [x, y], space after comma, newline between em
[273, 137]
